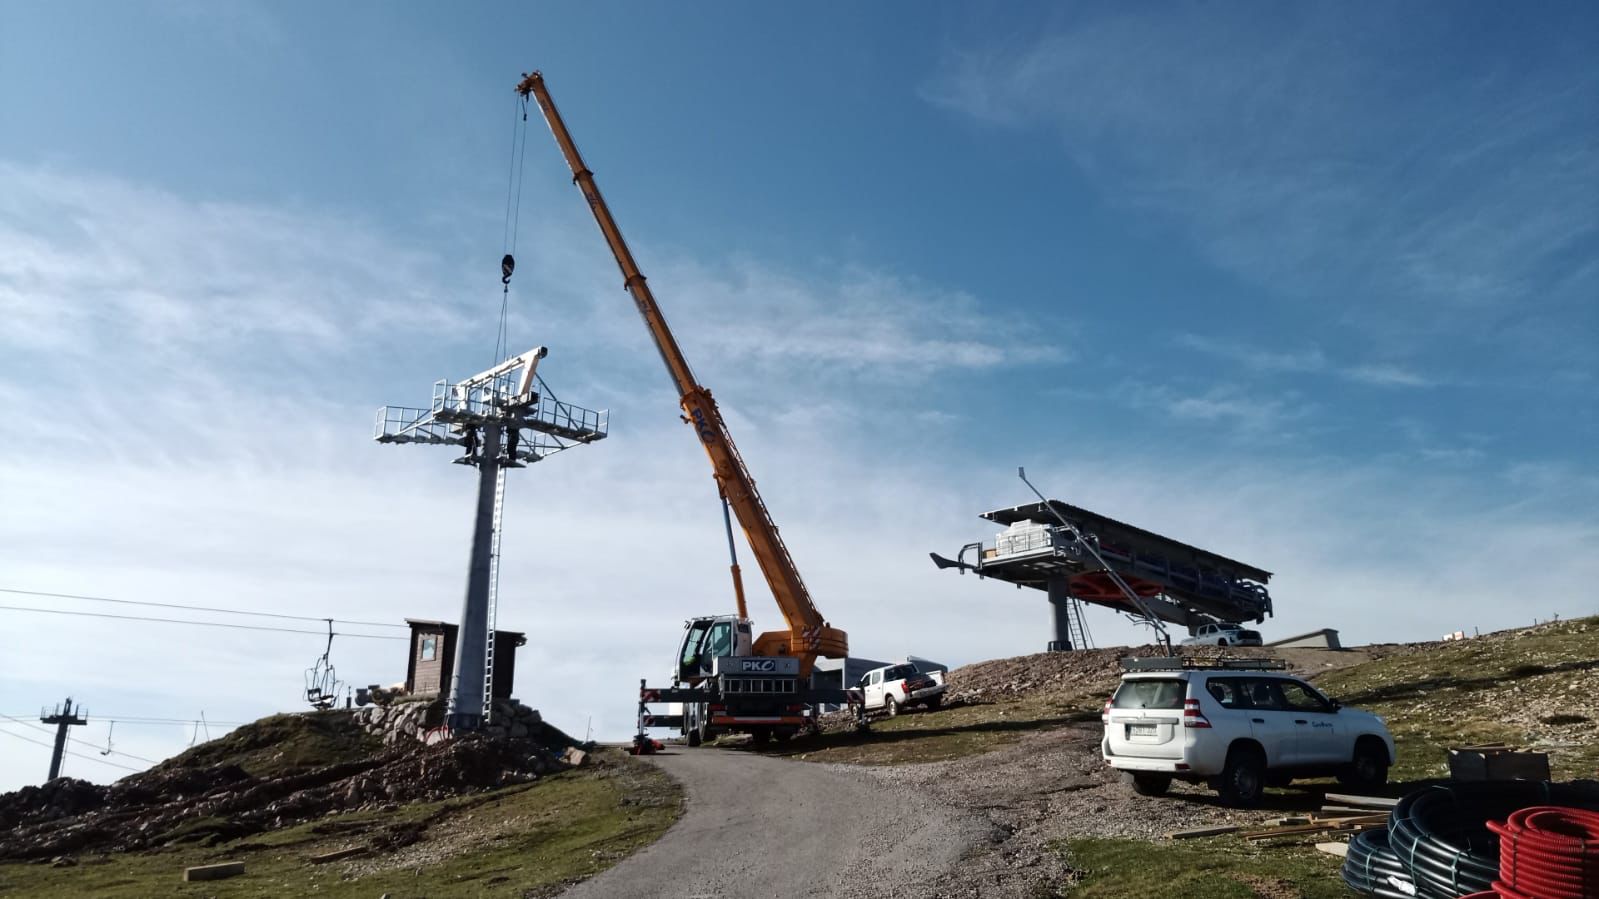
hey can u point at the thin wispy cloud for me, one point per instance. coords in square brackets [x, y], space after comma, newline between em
[742, 314]
[1310, 360]
[1249, 415]
[91, 259]
[1326, 155]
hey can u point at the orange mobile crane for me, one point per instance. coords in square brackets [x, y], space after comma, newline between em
[733, 682]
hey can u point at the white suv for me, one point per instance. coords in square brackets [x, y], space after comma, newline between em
[1236, 726]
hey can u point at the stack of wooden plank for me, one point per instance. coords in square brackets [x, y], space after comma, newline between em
[1340, 814]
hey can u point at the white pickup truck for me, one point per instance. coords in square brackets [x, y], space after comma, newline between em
[893, 687]
[1223, 634]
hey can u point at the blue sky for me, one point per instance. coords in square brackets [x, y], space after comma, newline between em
[1314, 287]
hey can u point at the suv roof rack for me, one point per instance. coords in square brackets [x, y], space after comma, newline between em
[1179, 663]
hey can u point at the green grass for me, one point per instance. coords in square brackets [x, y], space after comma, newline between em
[1448, 695]
[921, 736]
[527, 840]
[1219, 868]
[283, 744]
[1474, 691]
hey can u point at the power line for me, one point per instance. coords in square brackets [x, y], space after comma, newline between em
[70, 752]
[242, 627]
[173, 605]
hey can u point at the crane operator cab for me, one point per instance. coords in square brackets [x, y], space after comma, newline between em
[707, 639]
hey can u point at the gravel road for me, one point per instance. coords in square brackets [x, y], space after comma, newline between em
[757, 826]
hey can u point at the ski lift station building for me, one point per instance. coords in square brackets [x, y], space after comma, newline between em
[432, 661]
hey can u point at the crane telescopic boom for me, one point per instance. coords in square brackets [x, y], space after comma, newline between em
[808, 635]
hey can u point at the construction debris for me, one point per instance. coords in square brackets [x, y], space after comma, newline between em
[418, 719]
[1497, 761]
[338, 855]
[1317, 826]
[1203, 832]
[1339, 849]
[1361, 801]
[213, 872]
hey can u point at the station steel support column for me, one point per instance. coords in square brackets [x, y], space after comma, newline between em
[1060, 608]
[471, 641]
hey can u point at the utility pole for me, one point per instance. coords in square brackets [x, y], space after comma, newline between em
[62, 718]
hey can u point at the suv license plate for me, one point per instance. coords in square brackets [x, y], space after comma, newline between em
[1140, 730]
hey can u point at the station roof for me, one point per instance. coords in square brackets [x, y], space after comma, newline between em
[1109, 530]
[425, 623]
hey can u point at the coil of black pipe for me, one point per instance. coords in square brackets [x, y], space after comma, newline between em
[1372, 869]
[1440, 835]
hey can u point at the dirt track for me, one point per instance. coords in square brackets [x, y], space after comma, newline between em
[757, 826]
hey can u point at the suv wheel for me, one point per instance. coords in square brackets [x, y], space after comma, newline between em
[1243, 778]
[1222, 642]
[1146, 783]
[891, 706]
[1369, 767]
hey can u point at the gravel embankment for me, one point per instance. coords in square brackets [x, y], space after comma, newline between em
[1048, 787]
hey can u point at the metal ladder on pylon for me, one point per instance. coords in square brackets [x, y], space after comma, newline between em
[494, 596]
[1076, 626]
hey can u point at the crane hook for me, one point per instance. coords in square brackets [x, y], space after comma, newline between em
[507, 266]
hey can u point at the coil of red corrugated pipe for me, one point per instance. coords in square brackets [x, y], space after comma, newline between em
[1548, 852]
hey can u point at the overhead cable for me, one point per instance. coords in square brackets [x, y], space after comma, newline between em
[139, 719]
[242, 627]
[72, 739]
[69, 752]
[173, 605]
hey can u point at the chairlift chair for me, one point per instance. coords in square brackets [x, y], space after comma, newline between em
[321, 684]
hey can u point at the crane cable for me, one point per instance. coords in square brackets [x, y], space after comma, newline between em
[513, 221]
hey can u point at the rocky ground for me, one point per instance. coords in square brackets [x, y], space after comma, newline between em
[1096, 672]
[190, 799]
[1048, 787]
[1052, 785]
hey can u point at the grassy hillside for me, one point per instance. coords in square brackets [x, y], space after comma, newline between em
[529, 840]
[1200, 869]
[283, 744]
[1533, 687]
